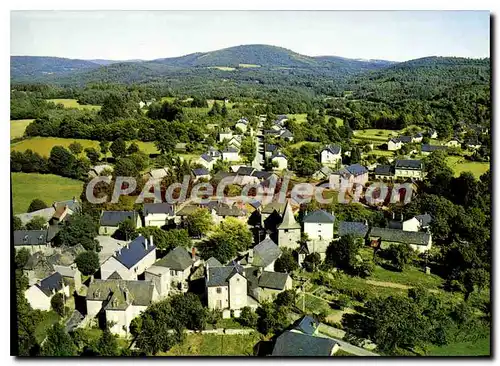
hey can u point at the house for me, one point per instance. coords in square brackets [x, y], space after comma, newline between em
[235, 141]
[225, 134]
[384, 237]
[40, 294]
[432, 133]
[288, 229]
[110, 220]
[207, 161]
[384, 172]
[71, 275]
[157, 174]
[119, 301]
[413, 169]
[294, 343]
[308, 325]
[230, 154]
[453, 142]
[418, 137]
[55, 214]
[200, 173]
[331, 155]
[280, 159]
[350, 175]
[230, 288]
[416, 223]
[242, 124]
[98, 170]
[221, 210]
[394, 144]
[358, 230]
[31, 239]
[264, 254]
[131, 260]
[428, 149]
[286, 135]
[473, 144]
[179, 263]
[323, 173]
[318, 225]
[158, 214]
[269, 150]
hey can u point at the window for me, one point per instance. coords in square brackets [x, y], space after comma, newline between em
[172, 272]
[286, 230]
[219, 290]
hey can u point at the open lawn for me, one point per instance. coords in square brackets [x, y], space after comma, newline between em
[222, 68]
[215, 345]
[43, 145]
[411, 276]
[18, 126]
[73, 103]
[302, 143]
[248, 65]
[459, 165]
[49, 318]
[481, 347]
[376, 135]
[47, 187]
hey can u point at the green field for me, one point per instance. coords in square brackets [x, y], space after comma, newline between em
[481, 347]
[73, 103]
[411, 276]
[222, 68]
[376, 135]
[302, 143]
[47, 187]
[215, 345]
[43, 145]
[18, 126]
[248, 65]
[49, 318]
[459, 165]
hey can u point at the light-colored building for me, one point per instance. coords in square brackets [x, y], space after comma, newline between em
[280, 159]
[350, 175]
[242, 124]
[121, 301]
[131, 260]
[231, 154]
[158, 214]
[110, 220]
[385, 237]
[40, 294]
[428, 149]
[71, 275]
[454, 142]
[384, 172]
[394, 144]
[200, 173]
[264, 254]
[331, 155]
[288, 229]
[34, 240]
[98, 170]
[413, 169]
[225, 135]
[157, 174]
[318, 225]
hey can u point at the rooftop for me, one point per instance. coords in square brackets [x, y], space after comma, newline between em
[319, 216]
[158, 208]
[293, 343]
[177, 259]
[133, 252]
[356, 229]
[409, 164]
[400, 236]
[114, 218]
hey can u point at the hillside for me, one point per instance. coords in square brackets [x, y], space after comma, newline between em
[35, 66]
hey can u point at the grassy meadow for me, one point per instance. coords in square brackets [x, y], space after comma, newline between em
[18, 126]
[73, 103]
[47, 187]
[458, 164]
[215, 345]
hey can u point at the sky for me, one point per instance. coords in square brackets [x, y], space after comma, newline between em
[124, 35]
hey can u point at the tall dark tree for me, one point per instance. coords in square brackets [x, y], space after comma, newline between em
[37, 204]
[118, 148]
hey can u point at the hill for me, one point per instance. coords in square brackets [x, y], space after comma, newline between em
[25, 67]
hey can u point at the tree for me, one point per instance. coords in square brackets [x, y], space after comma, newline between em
[81, 229]
[311, 262]
[62, 162]
[107, 345]
[57, 303]
[37, 204]
[26, 321]
[87, 262]
[17, 223]
[126, 230]
[104, 146]
[93, 155]
[272, 318]
[199, 222]
[118, 148]
[125, 167]
[344, 254]
[36, 223]
[135, 326]
[22, 256]
[227, 239]
[166, 240]
[247, 318]
[75, 147]
[399, 255]
[189, 311]
[286, 298]
[133, 148]
[58, 343]
[286, 262]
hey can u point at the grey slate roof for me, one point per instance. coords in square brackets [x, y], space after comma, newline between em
[222, 209]
[278, 154]
[265, 253]
[219, 276]
[409, 164]
[245, 170]
[270, 147]
[213, 262]
[261, 174]
[333, 149]
[308, 325]
[273, 280]
[230, 149]
[356, 229]
[53, 282]
[424, 219]
[320, 216]
[206, 157]
[177, 259]
[293, 344]
[114, 218]
[200, 171]
[286, 134]
[384, 170]
[134, 253]
[356, 169]
[30, 237]
[140, 293]
[288, 221]
[158, 208]
[431, 148]
[400, 236]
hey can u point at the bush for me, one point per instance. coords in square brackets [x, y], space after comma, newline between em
[57, 303]
[36, 204]
[248, 318]
[87, 262]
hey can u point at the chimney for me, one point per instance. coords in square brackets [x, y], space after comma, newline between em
[250, 255]
[193, 253]
[119, 250]
[127, 245]
[145, 243]
[401, 217]
[207, 272]
[393, 215]
[151, 239]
